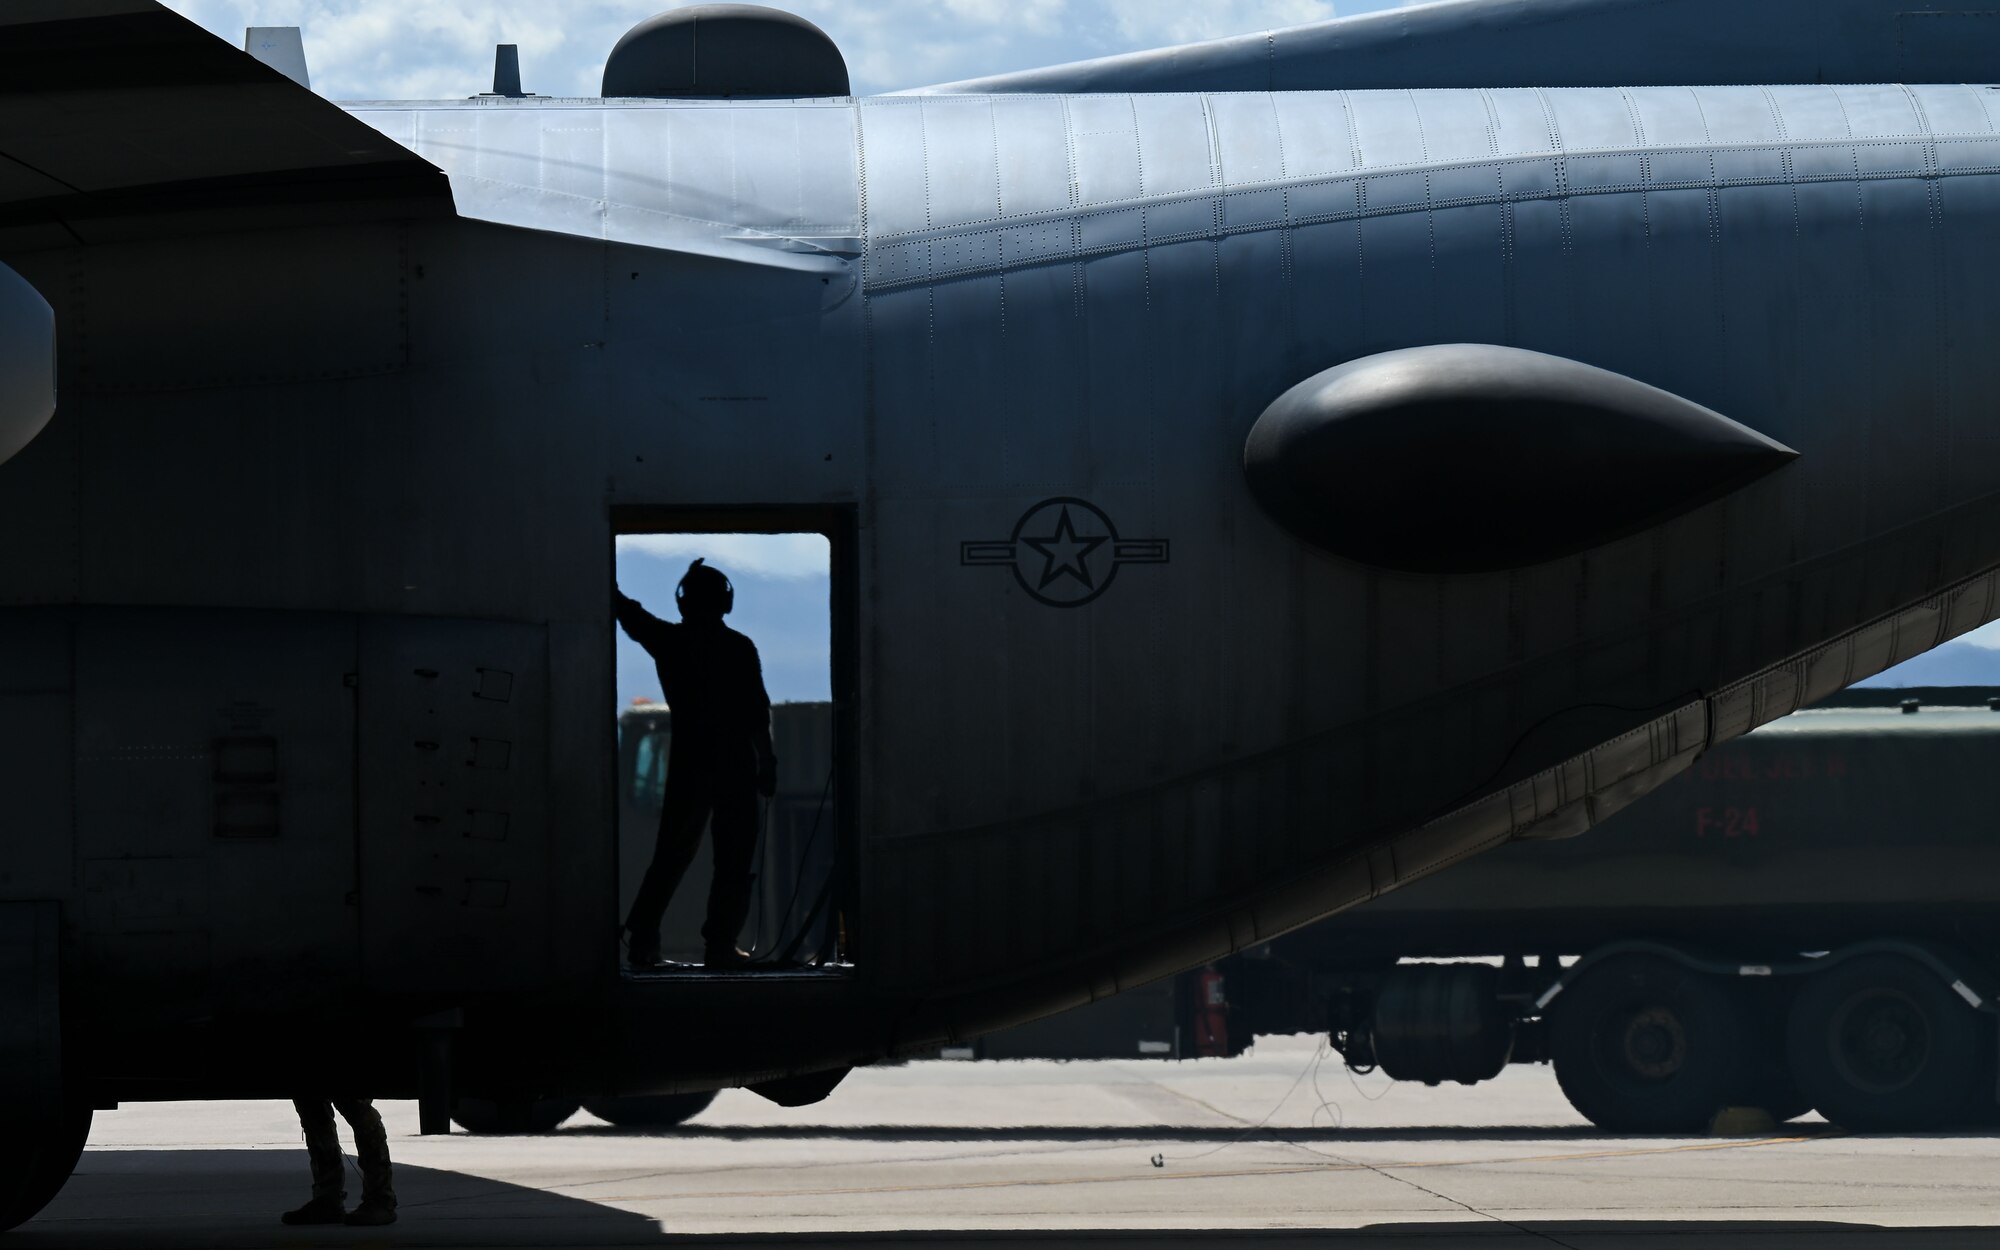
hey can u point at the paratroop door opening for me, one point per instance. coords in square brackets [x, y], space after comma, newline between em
[732, 839]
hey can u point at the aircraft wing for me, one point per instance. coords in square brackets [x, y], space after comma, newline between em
[1562, 43]
[121, 119]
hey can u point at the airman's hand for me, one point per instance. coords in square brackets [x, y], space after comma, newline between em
[767, 776]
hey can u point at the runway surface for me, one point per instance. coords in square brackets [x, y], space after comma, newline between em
[1279, 1147]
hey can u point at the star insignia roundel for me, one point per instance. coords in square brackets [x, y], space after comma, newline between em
[1064, 552]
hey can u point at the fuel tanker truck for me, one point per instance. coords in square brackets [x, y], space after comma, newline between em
[1808, 918]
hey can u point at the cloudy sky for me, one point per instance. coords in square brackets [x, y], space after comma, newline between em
[433, 49]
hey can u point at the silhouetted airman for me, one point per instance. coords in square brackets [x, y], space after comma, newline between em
[720, 760]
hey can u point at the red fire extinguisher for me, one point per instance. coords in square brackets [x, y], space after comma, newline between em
[1211, 1014]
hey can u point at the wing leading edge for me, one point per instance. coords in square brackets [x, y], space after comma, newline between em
[1561, 43]
[119, 118]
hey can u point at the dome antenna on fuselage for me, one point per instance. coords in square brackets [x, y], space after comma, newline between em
[723, 50]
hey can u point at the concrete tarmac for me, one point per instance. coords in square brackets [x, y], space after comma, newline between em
[1280, 1147]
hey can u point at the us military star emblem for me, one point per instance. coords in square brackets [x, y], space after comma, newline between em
[1064, 552]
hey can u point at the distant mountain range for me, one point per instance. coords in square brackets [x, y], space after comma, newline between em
[1958, 663]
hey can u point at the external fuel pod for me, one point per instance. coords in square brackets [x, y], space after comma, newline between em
[1467, 458]
[27, 362]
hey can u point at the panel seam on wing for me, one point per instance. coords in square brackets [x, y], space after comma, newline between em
[884, 248]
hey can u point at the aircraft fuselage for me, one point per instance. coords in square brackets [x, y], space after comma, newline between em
[1107, 718]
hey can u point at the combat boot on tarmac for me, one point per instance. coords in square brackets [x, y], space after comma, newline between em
[321, 1210]
[329, 1171]
[373, 1212]
[378, 1177]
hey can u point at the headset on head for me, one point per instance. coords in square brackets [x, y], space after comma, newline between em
[728, 587]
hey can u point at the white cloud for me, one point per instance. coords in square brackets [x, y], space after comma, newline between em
[438, 49]
[1038, 17]
[429, 49]
[739, 555]
[1987, 636]
[1147, 23]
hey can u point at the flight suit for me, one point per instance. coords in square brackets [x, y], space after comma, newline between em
[713, 682]
[371, 1147]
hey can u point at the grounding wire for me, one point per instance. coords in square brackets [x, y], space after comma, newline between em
[1311, 1069]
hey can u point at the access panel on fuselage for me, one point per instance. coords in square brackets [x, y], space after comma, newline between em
[214, 769]
[454, 786]
[37, 737]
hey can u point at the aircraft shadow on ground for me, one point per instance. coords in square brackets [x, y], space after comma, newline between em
[171, 1199]
[229, 1199]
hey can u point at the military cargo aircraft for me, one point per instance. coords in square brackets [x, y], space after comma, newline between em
[1257, 474]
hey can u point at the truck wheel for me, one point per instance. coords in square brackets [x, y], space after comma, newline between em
[34, 1165]
[514, 1115]
[1881, 1045]
[1643, 1045]
[658, 1111]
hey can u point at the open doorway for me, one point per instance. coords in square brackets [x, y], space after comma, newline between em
[785, 575]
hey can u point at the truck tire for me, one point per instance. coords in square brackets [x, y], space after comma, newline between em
[656, 1111]
[1644, 1045]
[518, 1115]
[34, 1165]
[1880, 1044]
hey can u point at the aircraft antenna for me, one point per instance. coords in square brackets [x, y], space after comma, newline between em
[507, 71]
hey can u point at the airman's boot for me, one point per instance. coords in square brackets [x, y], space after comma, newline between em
[378, 1180]
[642, 952]
[373, 1211]
[329, 1171]
[318, 1211]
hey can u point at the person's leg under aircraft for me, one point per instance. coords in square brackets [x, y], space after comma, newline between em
[683, 812]
[329, 1169]
[371, 1146]
[735, 830]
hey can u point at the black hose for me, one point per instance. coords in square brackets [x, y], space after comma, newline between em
[790, 950]
[769, 807]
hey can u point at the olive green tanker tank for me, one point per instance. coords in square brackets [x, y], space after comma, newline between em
[1866, 815]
